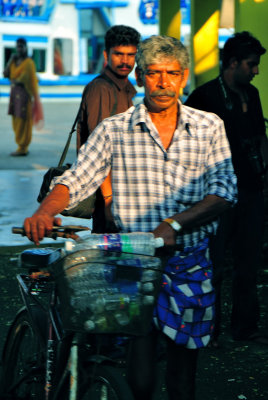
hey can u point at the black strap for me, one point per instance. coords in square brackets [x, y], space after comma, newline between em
[66, 147]
[113, 111]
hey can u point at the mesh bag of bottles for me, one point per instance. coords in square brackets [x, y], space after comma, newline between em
[108, 292]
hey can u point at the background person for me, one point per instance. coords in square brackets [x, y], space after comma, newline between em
[237, 102]
[24, 101]
[171, 175]
[108, 94]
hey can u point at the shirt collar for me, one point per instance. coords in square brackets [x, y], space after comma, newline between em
[141, 115]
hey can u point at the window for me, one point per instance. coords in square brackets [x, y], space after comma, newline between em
[63, 56]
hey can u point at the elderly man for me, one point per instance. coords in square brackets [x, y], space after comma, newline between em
[171, 175]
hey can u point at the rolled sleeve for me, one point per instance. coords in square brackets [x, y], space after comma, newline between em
[90, 169]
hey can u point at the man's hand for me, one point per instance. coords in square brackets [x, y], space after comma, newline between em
[39, 225]
[165, 231]
[42, 221]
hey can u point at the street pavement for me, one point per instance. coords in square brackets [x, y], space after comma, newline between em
[21, 177]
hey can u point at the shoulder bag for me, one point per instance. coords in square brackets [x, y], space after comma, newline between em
[86, 207]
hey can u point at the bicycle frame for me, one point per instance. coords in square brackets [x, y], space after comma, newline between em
[31, 287]
[70, 365]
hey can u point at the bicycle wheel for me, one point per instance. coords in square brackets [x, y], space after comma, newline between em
[105, 383]
[23, 374]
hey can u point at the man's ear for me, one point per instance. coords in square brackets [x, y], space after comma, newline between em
[105, 56]
[233, 62]
[138, 75]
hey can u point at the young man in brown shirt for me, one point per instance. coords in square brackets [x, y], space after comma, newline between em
[109, 93]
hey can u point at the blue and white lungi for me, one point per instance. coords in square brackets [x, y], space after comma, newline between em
[185, 307]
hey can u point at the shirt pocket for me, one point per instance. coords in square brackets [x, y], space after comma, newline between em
[186, 179]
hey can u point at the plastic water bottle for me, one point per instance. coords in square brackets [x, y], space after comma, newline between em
[148, 300]
[102, 272]
[147, 287]
[137, 243]
[116, 309]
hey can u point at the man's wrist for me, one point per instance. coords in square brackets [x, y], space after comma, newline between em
[174, 224]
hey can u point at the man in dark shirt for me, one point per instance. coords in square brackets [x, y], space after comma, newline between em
[108, 94]
[237, 102]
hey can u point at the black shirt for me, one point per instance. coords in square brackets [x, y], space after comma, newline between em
[244, 129]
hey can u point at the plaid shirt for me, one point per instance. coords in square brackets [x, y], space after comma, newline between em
[151, 183]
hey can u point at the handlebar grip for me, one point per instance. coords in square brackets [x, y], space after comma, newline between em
[18, 230]
[56, 230]
[69, 228]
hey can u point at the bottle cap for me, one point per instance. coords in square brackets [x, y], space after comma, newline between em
[159, 242]
[147, 287]
[69, 245]
[89, 325]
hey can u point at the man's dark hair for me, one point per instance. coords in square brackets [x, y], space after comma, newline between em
[240, 46]
[121, 35]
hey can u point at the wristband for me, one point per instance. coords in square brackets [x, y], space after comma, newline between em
[174, 224]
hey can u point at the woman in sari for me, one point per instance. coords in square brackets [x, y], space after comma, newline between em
[24, 102]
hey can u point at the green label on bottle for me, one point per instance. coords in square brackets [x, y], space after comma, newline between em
[126, 244]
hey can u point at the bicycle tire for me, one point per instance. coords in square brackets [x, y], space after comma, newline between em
[105, 382]
[23, 372]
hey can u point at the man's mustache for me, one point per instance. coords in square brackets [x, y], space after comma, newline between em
[158, 93]
[124, 66]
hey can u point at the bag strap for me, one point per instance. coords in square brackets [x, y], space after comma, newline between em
[66, 147]
[113, 111]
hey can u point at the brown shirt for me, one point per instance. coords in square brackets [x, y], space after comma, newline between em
[101, 99]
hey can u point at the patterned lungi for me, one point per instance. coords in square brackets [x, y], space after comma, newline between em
[185, 307]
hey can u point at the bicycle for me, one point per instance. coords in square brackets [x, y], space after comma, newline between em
[53, 350]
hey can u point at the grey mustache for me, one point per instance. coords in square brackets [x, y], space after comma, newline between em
[157, 93]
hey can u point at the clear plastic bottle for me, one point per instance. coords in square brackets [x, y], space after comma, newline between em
[117, 309]
[137, 243]
[122, 318]
[102, 272]
[108, 302]
[147, 287]
[99, 322]
[148, 300]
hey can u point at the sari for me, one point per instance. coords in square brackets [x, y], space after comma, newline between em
[24, 103]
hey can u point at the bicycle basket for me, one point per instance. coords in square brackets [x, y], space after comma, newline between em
[108, 292]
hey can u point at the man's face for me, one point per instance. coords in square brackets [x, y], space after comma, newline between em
[246, 69]
[121, 59]
[163, 83]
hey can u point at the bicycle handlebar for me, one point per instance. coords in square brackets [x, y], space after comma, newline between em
[64, 231]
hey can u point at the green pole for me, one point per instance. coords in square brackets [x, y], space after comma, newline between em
[251, 15]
